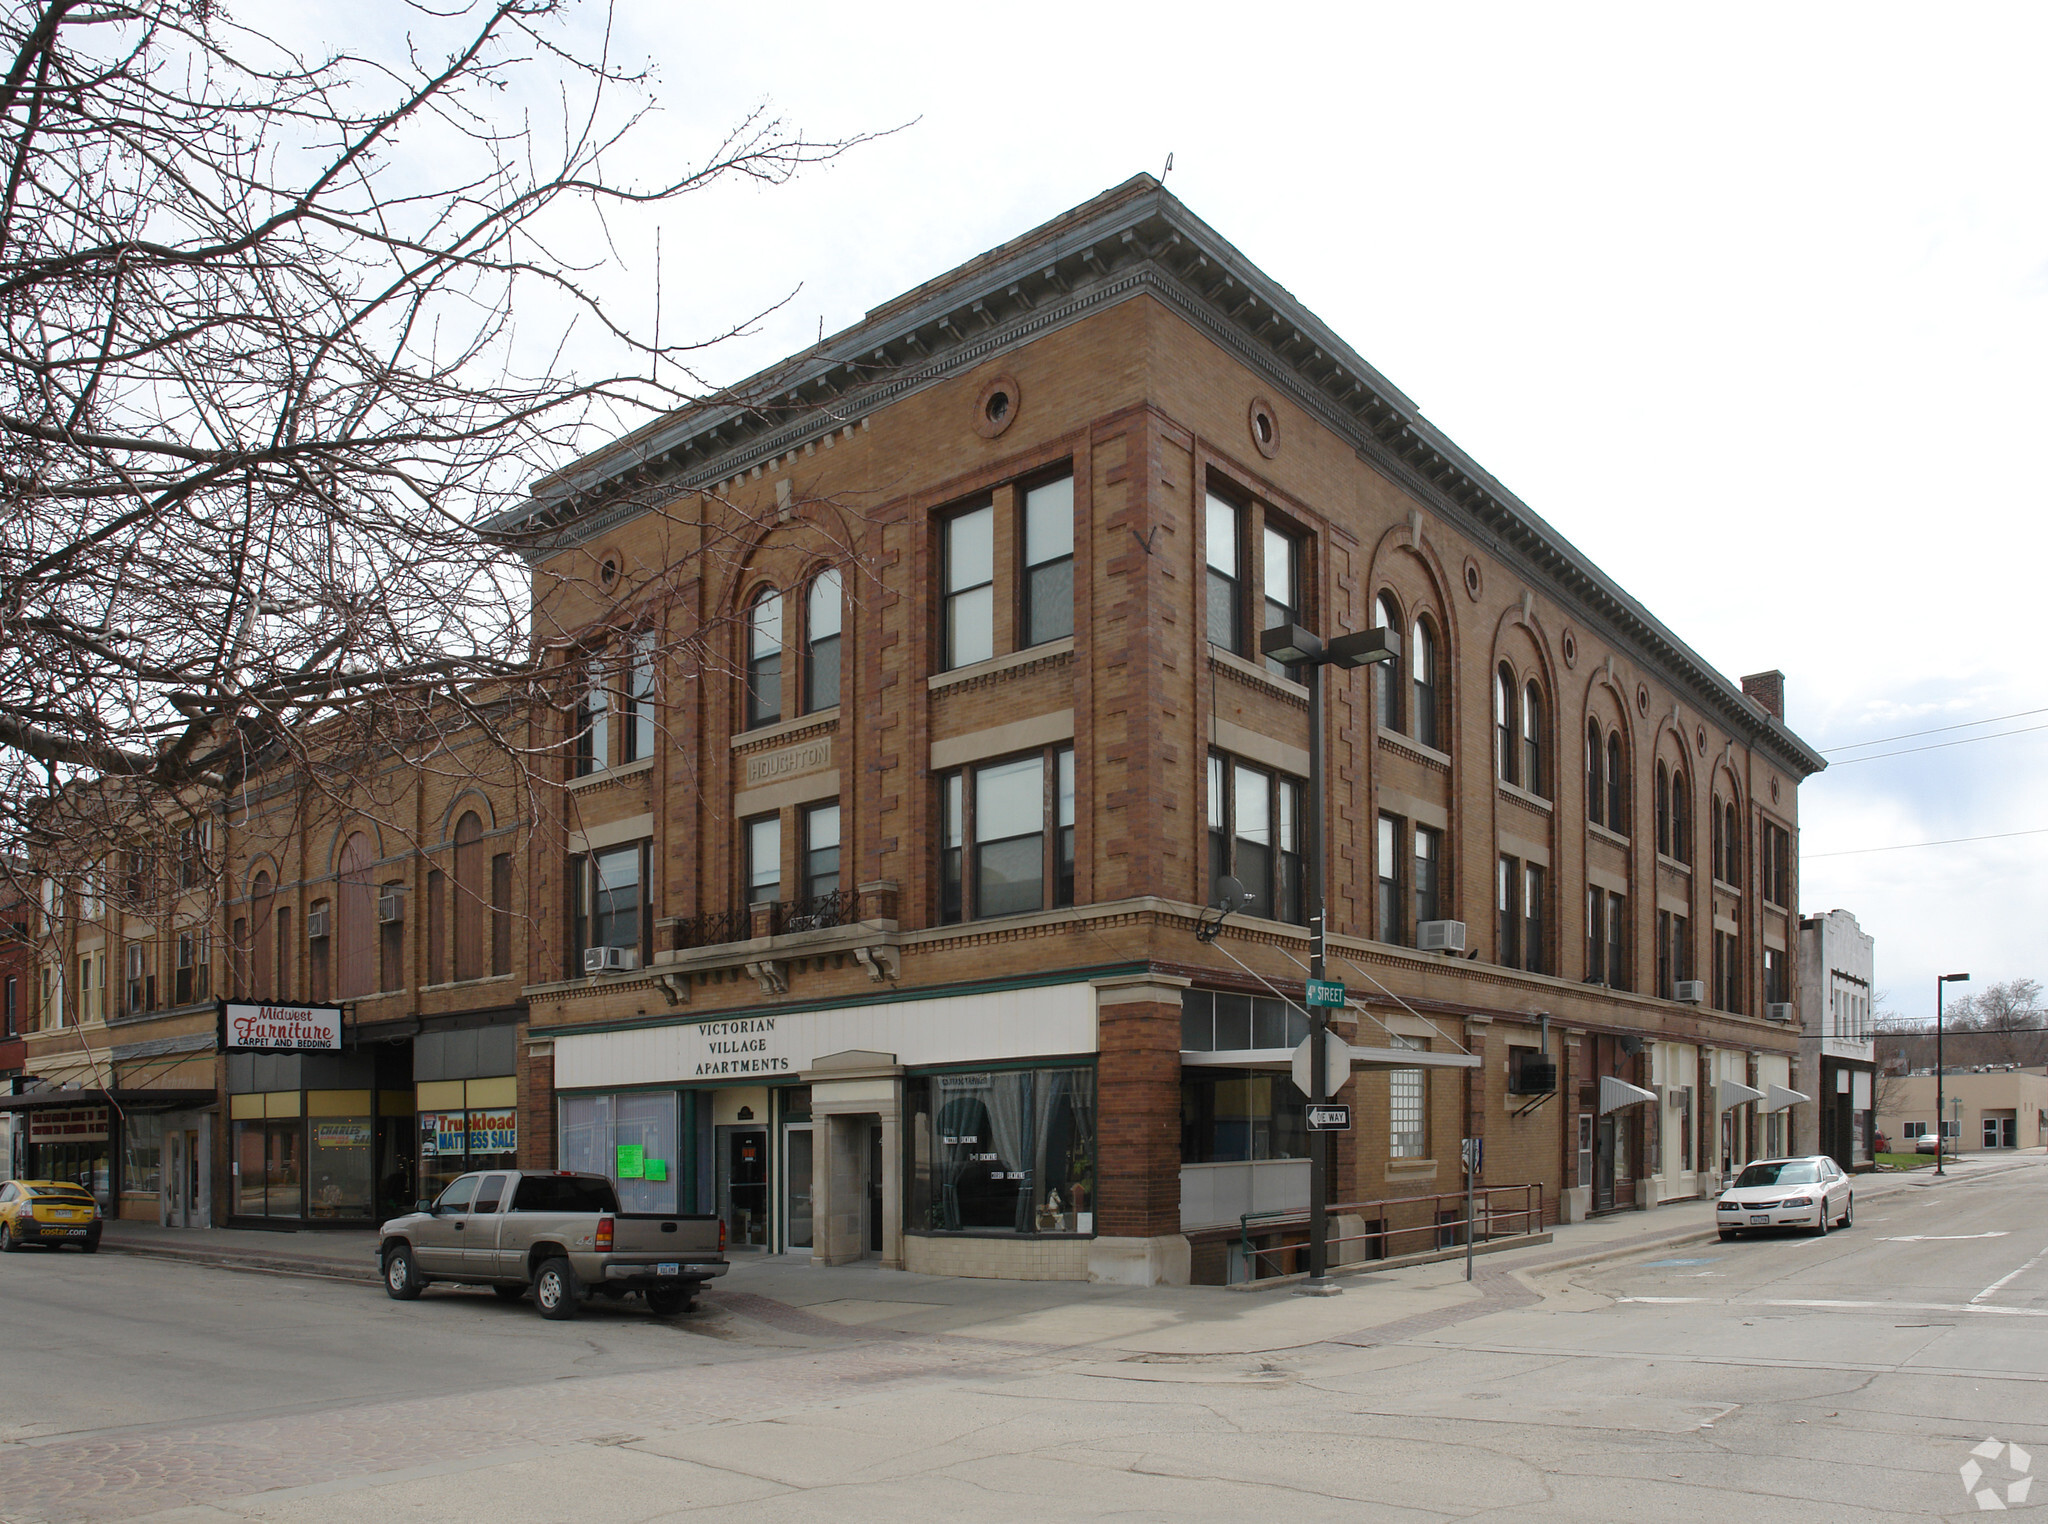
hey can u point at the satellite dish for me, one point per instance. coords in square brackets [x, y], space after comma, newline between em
[1230, 895]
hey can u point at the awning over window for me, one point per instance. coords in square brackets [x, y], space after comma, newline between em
[1734, 1093]
[1780, 1098]
[1617, 1093]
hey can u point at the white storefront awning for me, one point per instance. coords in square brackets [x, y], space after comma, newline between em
[1617, 1093]
[1780, 1098]
[1734, 1093]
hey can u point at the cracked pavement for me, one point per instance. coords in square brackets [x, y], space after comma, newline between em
[1845, 1377]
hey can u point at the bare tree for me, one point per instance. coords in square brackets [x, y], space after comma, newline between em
[2006, 1020]
[262, 378]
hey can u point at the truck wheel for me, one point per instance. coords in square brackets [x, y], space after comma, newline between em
[555, 1292]
[667, 1301]
[509, 1293]
[401, 1277]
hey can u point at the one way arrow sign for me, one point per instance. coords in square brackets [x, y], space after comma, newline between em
[1329, 1119]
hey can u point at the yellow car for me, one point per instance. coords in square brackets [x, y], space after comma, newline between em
[48, 1212]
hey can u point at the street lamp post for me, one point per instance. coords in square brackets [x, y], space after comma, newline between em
[1293, 646]
[1941, 984]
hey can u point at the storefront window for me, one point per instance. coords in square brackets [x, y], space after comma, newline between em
[1228, 1116]
[1006, 1152]
[269, 1174]
[630, 1137]
[342, 1166]
[143, 1151]
[452, 1142]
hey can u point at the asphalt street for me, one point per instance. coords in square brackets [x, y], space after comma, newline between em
[1846, 1377]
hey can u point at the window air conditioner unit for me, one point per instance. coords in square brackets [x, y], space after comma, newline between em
[1535, 1076]
[1690, 992]
[1778, 1010]
[390, 904]
[610, 960]
[1440, 936]
[316, 921]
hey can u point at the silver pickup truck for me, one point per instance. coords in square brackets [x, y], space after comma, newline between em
[560, 1234]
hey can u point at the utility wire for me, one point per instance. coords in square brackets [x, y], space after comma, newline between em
[1914, 735]
[1905, 846]
[1907, 751]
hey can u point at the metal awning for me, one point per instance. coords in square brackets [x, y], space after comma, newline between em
[127, 1099]
[1617, 1093]
[1734, 1093]
[1780, 1098]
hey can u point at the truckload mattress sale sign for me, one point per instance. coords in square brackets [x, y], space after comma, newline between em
[279, 1028]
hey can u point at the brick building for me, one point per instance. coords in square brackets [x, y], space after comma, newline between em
[918, 713]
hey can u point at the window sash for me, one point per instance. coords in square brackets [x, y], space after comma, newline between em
[1049, 561]
[1390, 880]
[1281, 594]
[824, 619]
[821, 850]
[764, 859]
[1225, 614]
[1423, 675]
[970, 587]
[1386, 683]
[616, 897]
[636, 733]
[1429, 851]
[764, 661]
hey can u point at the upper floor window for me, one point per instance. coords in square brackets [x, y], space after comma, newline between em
[636, 716]
[1006, 839]
[471, 860]
[1727, 842]
[1255, 836]
[1617, 787]
[1048, 610]
[1663, 809]
[1428, 877]
[1505, 752]
[970, 575]
[823, 620]
[1681, 816]
[1596, 782]
[1387, 616]
[609, 901]
[821, 850]
[593, 722]
[1388, 925]
[1532, 740]
[1225, 615]
[763, 866]
[1422, 668]
[764, 659]
[1281, 589]
[1519, 895]
[1777, 864]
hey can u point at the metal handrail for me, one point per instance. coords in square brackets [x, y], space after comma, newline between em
[715, 927]
[1529, 1214]
[816, 913]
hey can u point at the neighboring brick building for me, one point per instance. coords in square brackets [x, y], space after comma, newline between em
[921, 712]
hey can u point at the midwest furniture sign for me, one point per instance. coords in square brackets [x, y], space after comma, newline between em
[279, 1028]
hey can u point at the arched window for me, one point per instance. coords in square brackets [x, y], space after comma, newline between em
[764, 659]
[1504, 722]
[1617, 787]
[262, 952]
[355, 914]
[1663, 809]
[1389, 682]
[1422, 666]
[1681, 817]
[1596, 787]
[1731, 844]
[1532, 741]
[471, 887]
[822, 621]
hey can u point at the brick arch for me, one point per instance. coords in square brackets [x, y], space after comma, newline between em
[355, 916]
[1602, 700]
[1401, 561]
[468, 799]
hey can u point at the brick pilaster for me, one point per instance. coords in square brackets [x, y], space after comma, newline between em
[1137, 1109]
[536, 1104]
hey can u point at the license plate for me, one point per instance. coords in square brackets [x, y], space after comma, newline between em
[672, 1267]
[1760, 1220]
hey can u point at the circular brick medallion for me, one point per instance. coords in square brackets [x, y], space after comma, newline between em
[997, 406]
[1474, 583]
[1265, 427]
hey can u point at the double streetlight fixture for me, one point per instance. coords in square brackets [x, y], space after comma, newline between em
[1941, 983]
[1293, 646]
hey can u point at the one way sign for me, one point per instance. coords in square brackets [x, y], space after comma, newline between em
[1329, 1119]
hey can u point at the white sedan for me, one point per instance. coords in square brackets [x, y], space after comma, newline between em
[1808, 1193]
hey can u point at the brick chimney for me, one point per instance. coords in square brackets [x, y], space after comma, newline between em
[1768, 689]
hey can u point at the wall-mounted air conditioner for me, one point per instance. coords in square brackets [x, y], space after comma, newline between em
[1690, 992]
[316, 921]
[390, 904]
[610, 960]
[1440, 936]
[1778, 1010]
[1533, 1076]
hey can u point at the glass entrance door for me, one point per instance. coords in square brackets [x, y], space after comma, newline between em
[743, 1185]
[798, 1144]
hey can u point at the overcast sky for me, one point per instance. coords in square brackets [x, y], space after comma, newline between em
[1750, 302]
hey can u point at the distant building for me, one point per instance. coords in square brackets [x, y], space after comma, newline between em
[1836, 1039]
[1998, 1111]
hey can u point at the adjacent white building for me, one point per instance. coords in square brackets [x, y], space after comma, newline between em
[1837, 1050]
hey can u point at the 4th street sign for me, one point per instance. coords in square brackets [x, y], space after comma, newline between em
[1326, 992]
[1329, 1119]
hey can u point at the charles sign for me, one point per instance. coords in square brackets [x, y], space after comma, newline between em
[279, 1028]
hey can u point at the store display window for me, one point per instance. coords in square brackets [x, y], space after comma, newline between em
[1004, 1151]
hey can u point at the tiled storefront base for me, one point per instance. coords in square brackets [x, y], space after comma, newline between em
[998, 1259]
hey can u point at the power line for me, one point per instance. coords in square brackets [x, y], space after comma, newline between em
[1914, 735]
[1907, 751]
[1906, 846]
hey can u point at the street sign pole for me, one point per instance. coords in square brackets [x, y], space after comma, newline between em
[1319, 1282]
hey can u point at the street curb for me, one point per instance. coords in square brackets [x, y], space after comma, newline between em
[320, 1269]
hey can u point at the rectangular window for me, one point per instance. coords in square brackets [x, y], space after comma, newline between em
[85, 1009]
[1006, 833]
[1727, 970]
[1281, 593]
[1389, 928]
[1256, 835]
[593, 722]
[1225, 596]
[319, 949]
[1774, 976]
[636, 724]
[391, 937]
[764, 859]
[764, 660]
[1407, 1107]
[1534, 945]
[1048, 561]
[1214, 1022]
[1003, 1151]
[437, 926]
[1429, 856]
[238, 954]
[821, 850]
[194, 977]
[618, 897]
[1596, 936]
[10, 1010]
[1508, 929]
[824, 618]
[1617, 941]
[970, 571]
[501, 913]
[1219, 826]
[1777, 864]
[1230, 1116]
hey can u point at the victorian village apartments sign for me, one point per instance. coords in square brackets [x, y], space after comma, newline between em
[279, 1028]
